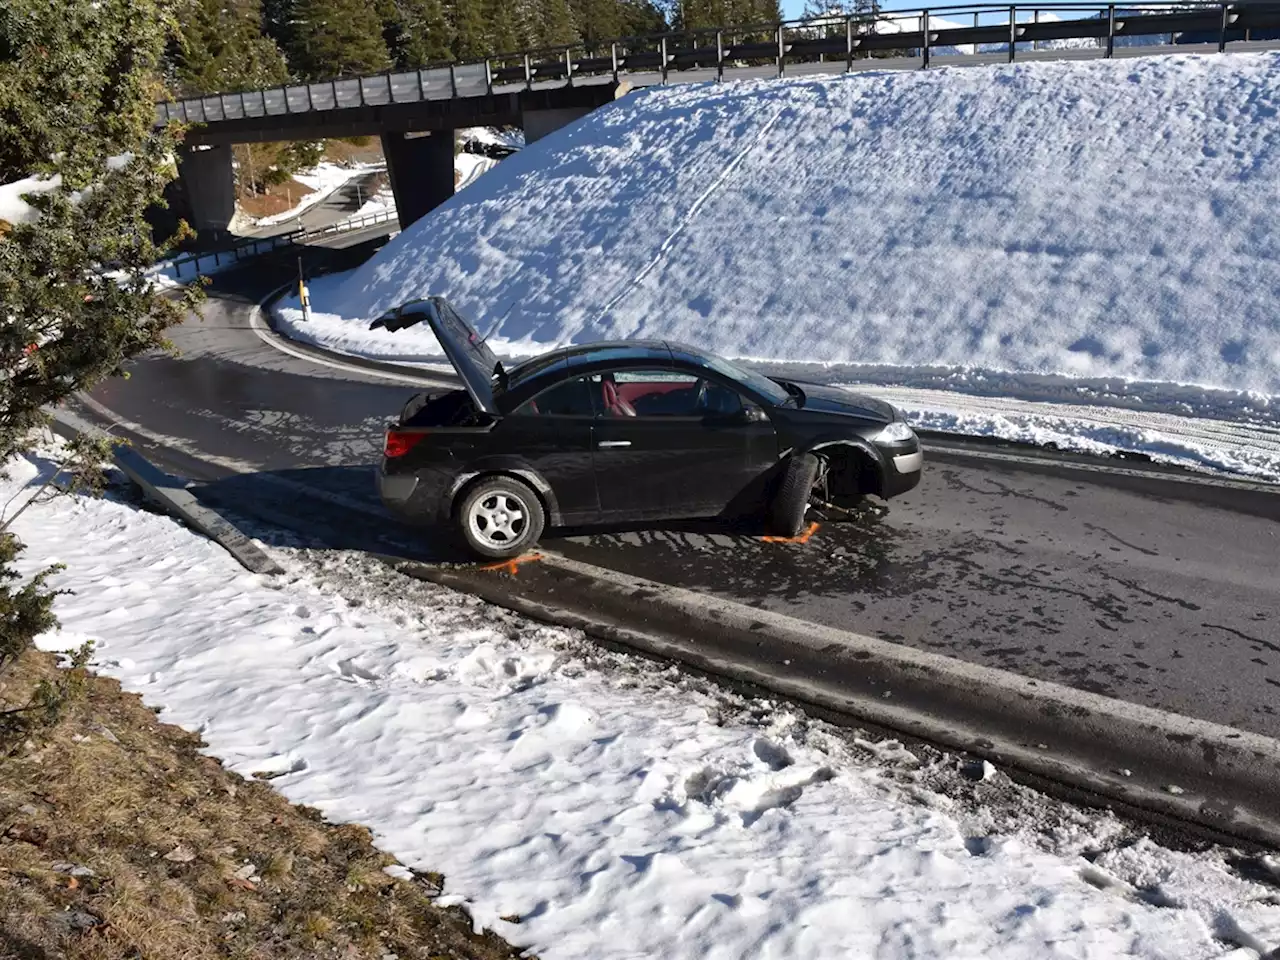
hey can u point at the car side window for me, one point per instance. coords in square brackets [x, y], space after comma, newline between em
[572, 398]
[649, 393]
[665, 393]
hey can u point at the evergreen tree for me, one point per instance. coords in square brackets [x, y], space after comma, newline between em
[640, 18]
[222, 47]
[469, 29]
[555, 25]
[599, 20]
[78, 80]
[509, 26]
[335, 38]
[416, 32]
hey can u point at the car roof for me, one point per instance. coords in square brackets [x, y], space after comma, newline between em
[608, 350]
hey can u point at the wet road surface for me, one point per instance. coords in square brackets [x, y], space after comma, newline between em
[1151, 590]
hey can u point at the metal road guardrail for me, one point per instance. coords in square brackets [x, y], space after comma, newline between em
[918, 38]
[249, 248]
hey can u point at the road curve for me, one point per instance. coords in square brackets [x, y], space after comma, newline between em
[1142, 586]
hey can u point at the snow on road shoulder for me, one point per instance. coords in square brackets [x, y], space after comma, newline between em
[617, 813]
[1248, 449]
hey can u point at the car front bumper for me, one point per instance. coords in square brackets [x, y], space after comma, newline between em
[903, 466]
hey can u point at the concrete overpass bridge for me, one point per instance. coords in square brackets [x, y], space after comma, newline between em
[415, 112]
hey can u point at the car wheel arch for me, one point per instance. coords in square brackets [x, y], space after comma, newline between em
[531, 478]
[862, 449]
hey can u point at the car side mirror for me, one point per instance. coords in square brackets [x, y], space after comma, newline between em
[753, 414]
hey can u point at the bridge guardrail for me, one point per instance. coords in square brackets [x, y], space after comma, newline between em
[918, 34]
[256, 246]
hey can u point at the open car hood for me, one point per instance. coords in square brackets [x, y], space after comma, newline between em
[471, 357]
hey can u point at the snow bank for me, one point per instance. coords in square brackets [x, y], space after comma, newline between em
[617, 812]
[1096, 219]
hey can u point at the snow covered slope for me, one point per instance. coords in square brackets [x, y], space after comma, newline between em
[1099, 219]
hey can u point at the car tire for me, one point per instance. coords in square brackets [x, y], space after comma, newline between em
[499, 518]
[787, 510]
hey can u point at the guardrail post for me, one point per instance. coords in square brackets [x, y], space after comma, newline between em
[848, 44]
[719, 56]
[1111, 29]
[311, 105]
[1035, 43]
[453, 82]
[924, 32]
[782, 54]
[568, 68]
[422, 87]
[1222, 34]
[613, 55]
[528, 72]
[333, 86]
[488, 77]
[664, 60]
[1013, 33]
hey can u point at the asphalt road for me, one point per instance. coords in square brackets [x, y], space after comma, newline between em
[1135, 585]
[342, 203]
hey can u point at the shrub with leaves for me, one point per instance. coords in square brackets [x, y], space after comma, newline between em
[78, 79]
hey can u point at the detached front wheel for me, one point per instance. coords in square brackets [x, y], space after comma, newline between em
[787, 510]
[500, 517]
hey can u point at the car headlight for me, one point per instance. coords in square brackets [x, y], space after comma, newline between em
[896, 432]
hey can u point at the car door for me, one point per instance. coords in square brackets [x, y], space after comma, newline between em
[552, 433]
[667, 447]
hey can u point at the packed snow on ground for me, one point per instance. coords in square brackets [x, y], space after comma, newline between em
[495, 136]
[470, 166]
[615, 812]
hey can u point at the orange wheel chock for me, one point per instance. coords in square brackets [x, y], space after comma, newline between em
[512, 566]
[802, 538]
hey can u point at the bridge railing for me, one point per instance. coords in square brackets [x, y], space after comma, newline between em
[924, 34]
[191, 265]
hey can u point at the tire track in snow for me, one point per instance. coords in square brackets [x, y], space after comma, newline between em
[694, 209]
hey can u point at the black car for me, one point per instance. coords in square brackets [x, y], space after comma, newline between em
[623, 432]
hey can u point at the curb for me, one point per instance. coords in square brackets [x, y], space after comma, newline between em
[170, 494]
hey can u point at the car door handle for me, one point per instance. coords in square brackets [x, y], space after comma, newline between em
[614, 443]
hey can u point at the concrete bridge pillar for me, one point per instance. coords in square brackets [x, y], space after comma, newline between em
[538, 123]
[421, 171]
[210, 186]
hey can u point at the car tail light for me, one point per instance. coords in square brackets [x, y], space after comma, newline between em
[400, 442]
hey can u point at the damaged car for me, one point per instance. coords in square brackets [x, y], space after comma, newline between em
[625, 432]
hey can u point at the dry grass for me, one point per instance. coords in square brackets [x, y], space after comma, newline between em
[357, 150]
[120, 841]
[278, 198]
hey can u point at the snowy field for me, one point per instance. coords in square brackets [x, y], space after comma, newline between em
[618, 811]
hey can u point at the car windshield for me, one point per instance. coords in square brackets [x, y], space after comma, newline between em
[748, 378]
